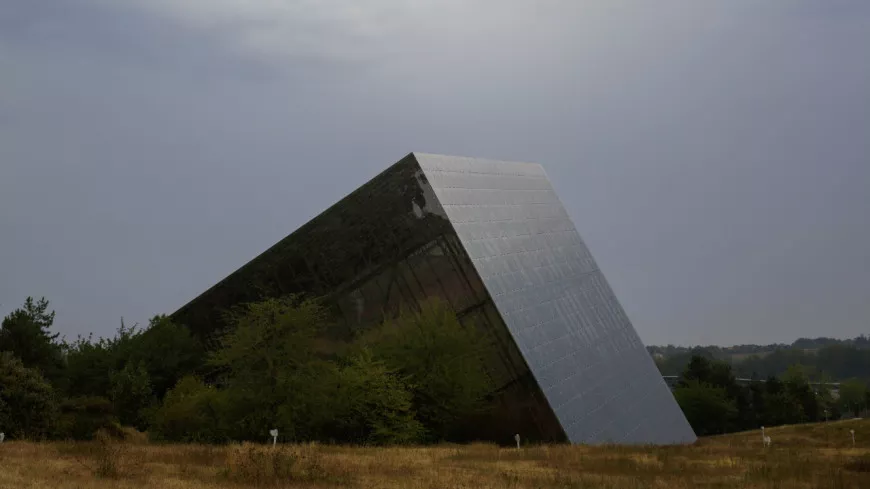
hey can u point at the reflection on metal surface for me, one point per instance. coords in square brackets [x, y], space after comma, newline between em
[492, 239]
[572, 332]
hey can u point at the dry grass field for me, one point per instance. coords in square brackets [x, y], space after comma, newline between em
[808, 456]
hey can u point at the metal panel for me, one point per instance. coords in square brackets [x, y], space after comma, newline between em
[582, 349]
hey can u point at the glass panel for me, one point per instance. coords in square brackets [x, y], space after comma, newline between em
[466, 268]
[455, 287]
[388, 281]
[425, 275]
[411, 283]
[373, 302]
[352, 306]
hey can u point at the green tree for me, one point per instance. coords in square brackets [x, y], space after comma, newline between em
[168, 352]
[191, 412]
[27, 403]
[372, 405]
[273, 368]
[698, 369]
[442, 360]
[131, 395]
[716, 373]
[853, 394]
[781, 407]
[798, 388]
[26, 332]
[707, 408]
[88, 363]
[828, 405]
[269, 336]
[758, 399]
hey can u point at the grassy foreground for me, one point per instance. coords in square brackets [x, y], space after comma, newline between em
[807, 456]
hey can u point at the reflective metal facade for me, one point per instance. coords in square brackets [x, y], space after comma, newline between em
[492, 239]
[582, 349]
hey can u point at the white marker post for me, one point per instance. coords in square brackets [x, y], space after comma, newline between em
[2, 436]
[517, 438]
[852, 432]
[274, 434]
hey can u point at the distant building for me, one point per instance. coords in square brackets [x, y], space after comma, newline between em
[493, 240]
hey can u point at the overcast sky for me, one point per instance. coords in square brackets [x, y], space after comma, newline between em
[714, 156]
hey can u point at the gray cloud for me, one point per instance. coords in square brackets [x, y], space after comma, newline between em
[714, 157]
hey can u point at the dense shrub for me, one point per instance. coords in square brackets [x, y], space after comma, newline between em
[131, 395]
[191, 412]
[707, 408]
[27, 403]
[274, 375]
[418, 377]
[372, 404]
[82, 417]
[442, 361]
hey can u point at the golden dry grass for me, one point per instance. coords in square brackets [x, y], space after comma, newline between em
[808, 456]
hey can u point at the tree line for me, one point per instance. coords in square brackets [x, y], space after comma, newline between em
[715, 402]
[823, 359]
[724, 352]
[407, 380]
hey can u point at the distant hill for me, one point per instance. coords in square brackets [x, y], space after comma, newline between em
[743, 351]
[828, 358]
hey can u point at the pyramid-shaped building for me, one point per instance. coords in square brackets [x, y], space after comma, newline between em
[493, 240]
